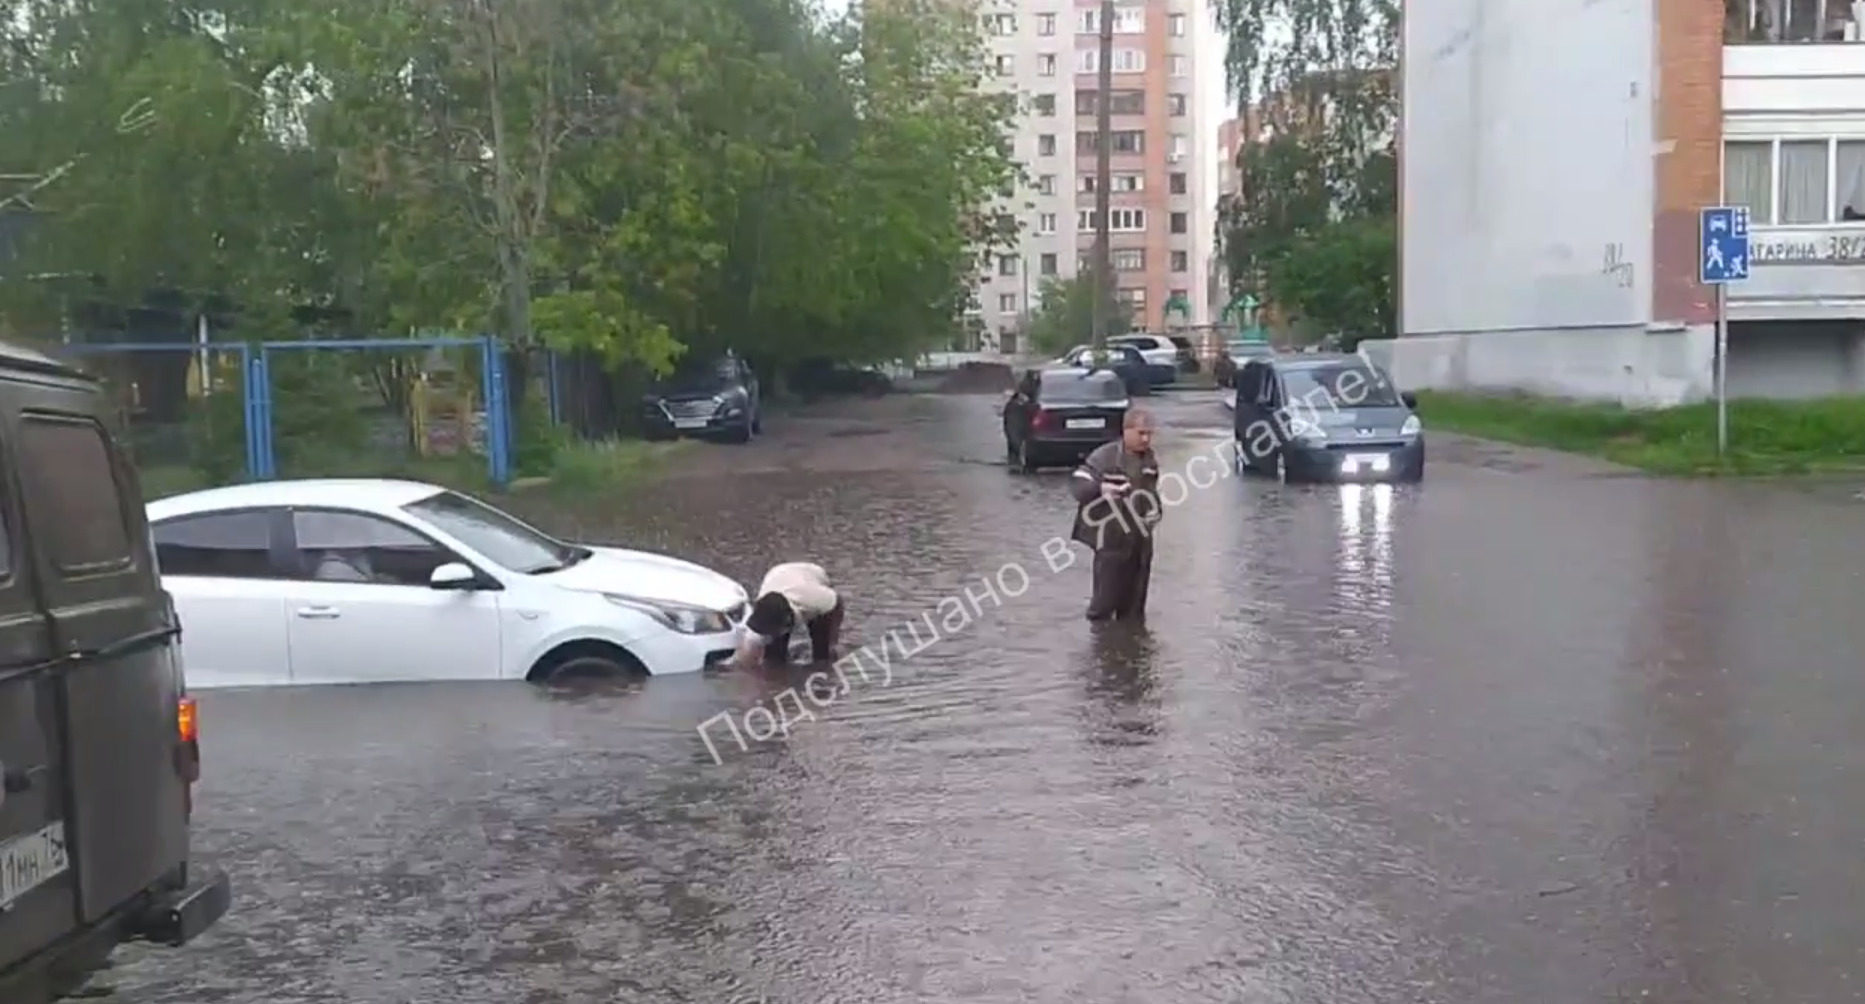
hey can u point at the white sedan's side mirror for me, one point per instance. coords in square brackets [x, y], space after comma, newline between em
[453, 575]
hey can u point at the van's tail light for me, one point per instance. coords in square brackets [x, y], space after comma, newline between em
[1043, 420]
[185, 717]
[188, 748]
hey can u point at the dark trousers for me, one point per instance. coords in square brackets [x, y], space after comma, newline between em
[825, 633]
[1121, 578]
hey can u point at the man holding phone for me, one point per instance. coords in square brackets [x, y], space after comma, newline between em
[1117, 491]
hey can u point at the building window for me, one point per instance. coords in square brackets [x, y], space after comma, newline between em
[1774, 21]
[1177, 183]
[1006, 303]
[1180, 223]
[1046, 145]
[1176, 104]
[1803, 182]
[1127, 102]
[1182, 297]
[1133, 298]
[1046, 184]
[1085, 184]
[1181, 261]
[1129, 60]
[1129, 182]
[1181, 144]
[1001, 25]
[1127, 21]
[1006, 65]
[1046, 65]
[1120, 220]
[1175, 24]
[1046, 223]
[1124, 141]
[1045, 24]
[1128, 259]
[1047, 263]
[1849, 180]
[1045, 104]
[1748, 179]
[1179, 66]
[1006, 264]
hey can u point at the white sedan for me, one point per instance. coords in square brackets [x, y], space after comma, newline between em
[371, 581]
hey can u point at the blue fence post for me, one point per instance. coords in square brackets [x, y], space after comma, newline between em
[498, 416]
[259, 391]
[248, 408]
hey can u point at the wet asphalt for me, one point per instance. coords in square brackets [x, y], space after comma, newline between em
[1533, 731]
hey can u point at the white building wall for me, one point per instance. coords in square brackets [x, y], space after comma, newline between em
[1026, 47]
[1527, 204]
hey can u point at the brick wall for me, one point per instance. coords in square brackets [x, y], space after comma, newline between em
[1689, 125]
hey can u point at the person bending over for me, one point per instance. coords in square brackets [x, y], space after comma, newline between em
[793, 593]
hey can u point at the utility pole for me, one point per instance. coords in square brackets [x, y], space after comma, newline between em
[1103, 177]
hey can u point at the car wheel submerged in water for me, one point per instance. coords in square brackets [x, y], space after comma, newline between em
[583, 666]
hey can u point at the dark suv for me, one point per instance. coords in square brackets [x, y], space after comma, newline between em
[98, 743]
[714, 398]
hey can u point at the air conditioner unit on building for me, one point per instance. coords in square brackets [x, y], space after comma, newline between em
[1173, 158]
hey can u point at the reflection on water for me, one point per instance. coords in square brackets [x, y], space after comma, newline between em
[1363, 570]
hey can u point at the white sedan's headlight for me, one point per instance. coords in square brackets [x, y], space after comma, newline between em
[676, 616]
[1412, 426]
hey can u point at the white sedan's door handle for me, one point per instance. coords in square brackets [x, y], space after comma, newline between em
[318, 613]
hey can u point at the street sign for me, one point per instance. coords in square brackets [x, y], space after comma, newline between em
[1724, 246]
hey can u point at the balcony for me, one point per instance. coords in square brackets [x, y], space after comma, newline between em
[1806, 199]
[1792, 22]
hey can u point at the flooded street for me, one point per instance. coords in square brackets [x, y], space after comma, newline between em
[1532, 731]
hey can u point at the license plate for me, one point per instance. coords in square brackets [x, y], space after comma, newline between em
[1087, 423]
[1356, 462]
[689, 423]
[29, 862]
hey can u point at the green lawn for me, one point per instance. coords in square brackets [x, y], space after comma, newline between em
[1765, 437]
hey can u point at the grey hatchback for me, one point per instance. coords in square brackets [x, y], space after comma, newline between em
[1326, 417]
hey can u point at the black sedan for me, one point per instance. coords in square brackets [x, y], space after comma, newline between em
[1057, 416]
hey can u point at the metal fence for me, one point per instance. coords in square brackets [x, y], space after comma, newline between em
[184, 412]
[197, 414]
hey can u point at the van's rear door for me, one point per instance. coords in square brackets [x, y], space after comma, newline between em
[128, 799]
[38, 883]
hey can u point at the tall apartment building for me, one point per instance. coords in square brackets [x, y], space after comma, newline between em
[1161, 220]
[1554, 162]
[1227, 183]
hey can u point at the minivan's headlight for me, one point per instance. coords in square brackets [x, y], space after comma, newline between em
[676, 616]
[1412, 426]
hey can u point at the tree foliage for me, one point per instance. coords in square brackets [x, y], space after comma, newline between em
[1312, 228]
[1066, 317]
[633, 178]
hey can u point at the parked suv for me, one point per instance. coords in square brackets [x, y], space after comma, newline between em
[715, 398]
[98, 737]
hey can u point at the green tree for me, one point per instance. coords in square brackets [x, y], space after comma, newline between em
[1317, 198]
[627, 178]
[1066, 317]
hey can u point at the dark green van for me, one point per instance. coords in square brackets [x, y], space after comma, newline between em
[98, 742]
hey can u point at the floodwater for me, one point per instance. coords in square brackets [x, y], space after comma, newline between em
[1531, 732]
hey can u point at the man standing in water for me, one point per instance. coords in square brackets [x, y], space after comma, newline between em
[796, 592]
[1117, 488]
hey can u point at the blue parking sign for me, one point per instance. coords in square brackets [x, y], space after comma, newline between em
[1723, 256]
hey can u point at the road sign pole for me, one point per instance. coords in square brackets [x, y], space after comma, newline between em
[1722, 369]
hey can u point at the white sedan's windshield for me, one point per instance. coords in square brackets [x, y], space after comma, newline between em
[502, 539]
